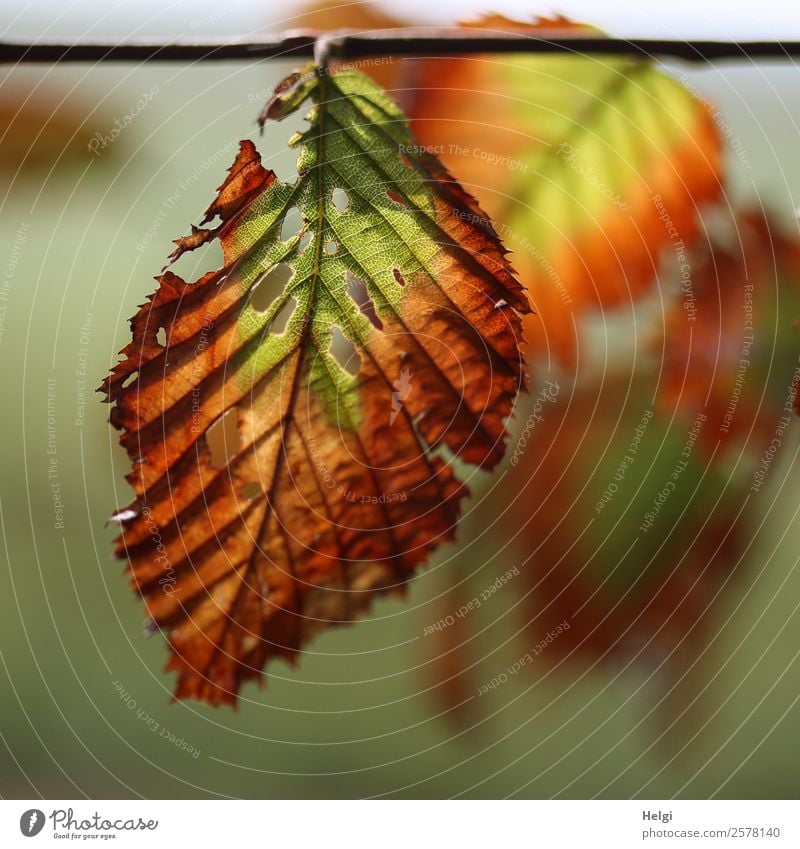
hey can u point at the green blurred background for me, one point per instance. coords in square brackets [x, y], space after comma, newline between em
[362, 715]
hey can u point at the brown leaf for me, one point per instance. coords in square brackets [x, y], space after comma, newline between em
[332, 486]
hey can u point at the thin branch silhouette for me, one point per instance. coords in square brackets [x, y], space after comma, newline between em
[411, 42]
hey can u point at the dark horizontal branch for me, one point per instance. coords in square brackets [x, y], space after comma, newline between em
[403, 42]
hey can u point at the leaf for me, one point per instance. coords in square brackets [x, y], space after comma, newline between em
[592, 167]
[727, 345]
[289, 438]
[628, 541]
[630, 513]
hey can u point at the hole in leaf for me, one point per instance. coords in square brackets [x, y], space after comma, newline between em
[281, 319]
[130, 379]
[357, 289]
[223, 439]
[331, 247]
[292, 224]
[207, 255]
[161, 337]
[270, 286]
[340, 200]
[250, 490]
[276, 135]
[344, 351]
[398, 276]
[397, 198]
[122, 516]
[304, 242]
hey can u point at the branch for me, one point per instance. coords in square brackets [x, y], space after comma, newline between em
[399, 42]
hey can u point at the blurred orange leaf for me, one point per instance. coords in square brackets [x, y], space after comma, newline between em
[629, 535]
[728, 346]
[591, 167]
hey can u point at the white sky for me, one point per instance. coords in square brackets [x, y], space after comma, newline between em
[654, 18]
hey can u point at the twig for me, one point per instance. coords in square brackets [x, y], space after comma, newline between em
[398, 42]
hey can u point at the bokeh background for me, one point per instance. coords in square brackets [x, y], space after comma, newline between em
[678, 675]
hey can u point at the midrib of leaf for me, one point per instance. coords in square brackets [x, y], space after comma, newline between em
[320, 226]
[287, 418]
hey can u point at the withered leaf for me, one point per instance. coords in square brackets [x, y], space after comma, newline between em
[340, 364]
